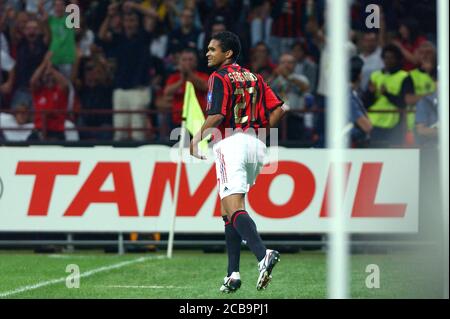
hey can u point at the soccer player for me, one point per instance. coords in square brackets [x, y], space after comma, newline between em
[239, 100]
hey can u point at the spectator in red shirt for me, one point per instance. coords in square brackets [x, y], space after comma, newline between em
[410, 40]
[49, 90]
[176, 83]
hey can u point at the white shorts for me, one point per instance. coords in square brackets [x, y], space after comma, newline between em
[239, 159]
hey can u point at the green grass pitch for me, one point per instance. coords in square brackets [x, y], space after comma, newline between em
[194, 274]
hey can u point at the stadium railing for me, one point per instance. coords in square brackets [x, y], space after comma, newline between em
[156, 133]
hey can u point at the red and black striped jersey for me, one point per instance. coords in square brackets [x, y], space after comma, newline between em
[242, 97]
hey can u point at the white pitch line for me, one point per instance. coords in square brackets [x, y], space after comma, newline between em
[145, 287]
[82, 275]
[57, 256]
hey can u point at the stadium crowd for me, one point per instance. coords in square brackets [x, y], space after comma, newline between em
[121, 74]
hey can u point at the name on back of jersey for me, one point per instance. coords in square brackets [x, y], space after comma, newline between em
[241, 76]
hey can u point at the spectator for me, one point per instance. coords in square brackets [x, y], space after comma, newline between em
[217, 25]
[131, 77]
[7, 64]
[318, 39]
[408, 42]
[361, 125]
[70, 132]
[30, 53]
[176, 83]
[16, 126]
[288, 23]
[304, 65]
[62, 43]
[370, 48]
[165, 11]
[226, 10]
[389, 90]
[261, 62]
[110, 28]
[427, 121]
[160, 39]
[49, 89]
[260, 22]
[17, 29]
[291, 88]
[84, 38]
[93, 82]
[423, 79]
[13, 4]
[34, 6]
[4, 45]
[186, 35]
[6, 15]
[230, 13]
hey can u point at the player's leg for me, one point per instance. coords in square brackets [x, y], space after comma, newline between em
[233, 241]
[256, 157]
[232, 281]
[234, 205]
[231, 167]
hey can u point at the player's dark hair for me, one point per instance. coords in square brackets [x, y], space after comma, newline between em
[356, 65]
[229, 41]
[395, 50]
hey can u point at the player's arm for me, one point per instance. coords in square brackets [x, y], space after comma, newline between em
[277, 114]
[275, 105]
[217, 107]
[212, 121]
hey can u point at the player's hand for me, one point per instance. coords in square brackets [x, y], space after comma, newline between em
[194, 150]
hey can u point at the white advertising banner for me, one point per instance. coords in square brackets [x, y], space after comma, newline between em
[100, 189]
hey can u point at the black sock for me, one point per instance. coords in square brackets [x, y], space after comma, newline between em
[246, 227]
[233, 240]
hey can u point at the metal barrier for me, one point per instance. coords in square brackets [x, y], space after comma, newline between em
[162, 129]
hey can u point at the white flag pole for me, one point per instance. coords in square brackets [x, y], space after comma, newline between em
[176, 190]
[337, 106]
[443, 100]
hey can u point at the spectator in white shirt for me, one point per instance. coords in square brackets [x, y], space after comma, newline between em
[16, 126]
[371, 49]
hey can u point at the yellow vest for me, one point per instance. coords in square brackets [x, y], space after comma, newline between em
[423, 85]
[393, 84]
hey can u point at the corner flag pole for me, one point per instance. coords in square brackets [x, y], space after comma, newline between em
[338, 91]
[192, 120]
[176, 190]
